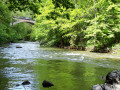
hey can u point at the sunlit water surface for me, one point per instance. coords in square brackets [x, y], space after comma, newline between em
[66, 69]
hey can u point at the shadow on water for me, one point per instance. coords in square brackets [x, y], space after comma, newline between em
[66, 69]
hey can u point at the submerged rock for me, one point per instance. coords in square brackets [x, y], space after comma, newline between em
[26, 82]
[18, 47]
[47, 84]
[23, 84]
[17, 85]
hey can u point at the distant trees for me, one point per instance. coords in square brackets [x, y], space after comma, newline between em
[5, 19]
[103, 31]
[66, 23]
[15, 33]
[20, 5]
[93, 22]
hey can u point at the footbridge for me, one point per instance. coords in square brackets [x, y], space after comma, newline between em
[22, 19]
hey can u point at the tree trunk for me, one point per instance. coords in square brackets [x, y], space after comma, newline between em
[75, 3]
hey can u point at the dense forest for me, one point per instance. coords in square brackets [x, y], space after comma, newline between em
[63, 23]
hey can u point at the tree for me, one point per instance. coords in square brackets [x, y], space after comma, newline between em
[75, 3]
[19, 5]
[103, 31]
[5, 19]
[65, 3]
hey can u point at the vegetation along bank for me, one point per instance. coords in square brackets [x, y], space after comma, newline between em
[63, 23]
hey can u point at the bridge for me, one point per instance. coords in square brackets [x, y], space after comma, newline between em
[22, 19]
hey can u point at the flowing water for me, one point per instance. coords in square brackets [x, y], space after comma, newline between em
[66, 69]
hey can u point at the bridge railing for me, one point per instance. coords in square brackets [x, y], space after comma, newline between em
[21, 19]
[25, 18]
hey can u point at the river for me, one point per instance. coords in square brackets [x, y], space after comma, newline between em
[66, 69]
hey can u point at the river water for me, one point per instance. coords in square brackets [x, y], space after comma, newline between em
[66, 69]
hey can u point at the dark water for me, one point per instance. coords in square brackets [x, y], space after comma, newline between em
[67, 69]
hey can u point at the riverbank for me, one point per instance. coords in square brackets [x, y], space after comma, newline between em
[113, 54]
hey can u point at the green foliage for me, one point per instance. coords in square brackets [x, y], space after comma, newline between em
[15, 33]
[64, 3]
[5, 19]
[103, 31]
[65, 22]
[27, 13]
[21, 31]
[19, 5]
[91, 23]
[58, 30]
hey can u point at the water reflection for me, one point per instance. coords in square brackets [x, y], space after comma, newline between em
[69, 75]
[67, 69]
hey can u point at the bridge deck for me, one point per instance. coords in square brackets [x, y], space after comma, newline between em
[23, 20]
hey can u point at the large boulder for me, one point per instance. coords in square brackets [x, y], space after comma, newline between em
[112, 82]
